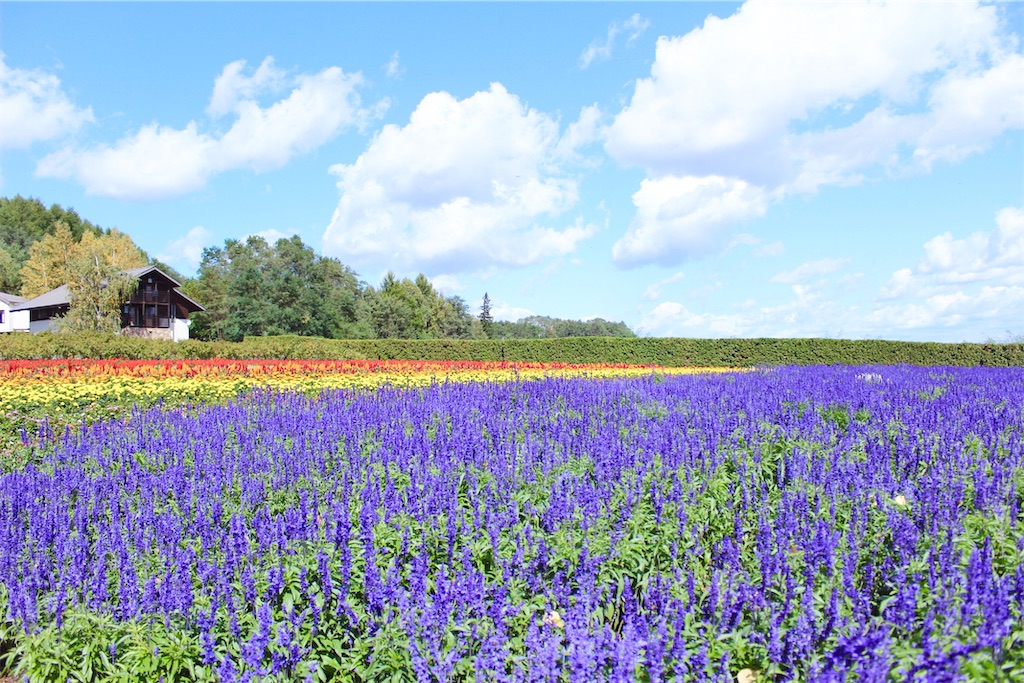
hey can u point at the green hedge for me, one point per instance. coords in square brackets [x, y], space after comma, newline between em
[641, 351]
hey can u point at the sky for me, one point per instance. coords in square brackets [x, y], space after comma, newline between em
[765, 169]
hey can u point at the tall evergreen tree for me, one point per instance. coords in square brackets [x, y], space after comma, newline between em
[486, 320]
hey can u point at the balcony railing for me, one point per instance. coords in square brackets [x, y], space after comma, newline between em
[144, 297]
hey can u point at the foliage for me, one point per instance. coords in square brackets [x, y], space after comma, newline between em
[817, 524]
[486, 319]
[254, 289]
[97, 285]
[10, 278]
[49, 262]
[538, 326]
[23, 222]
[662, 352]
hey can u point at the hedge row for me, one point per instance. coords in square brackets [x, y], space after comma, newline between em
[637, 351]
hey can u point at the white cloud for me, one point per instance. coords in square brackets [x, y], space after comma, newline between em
[653, 291]
[996, 255]
[788, 97]
[155, 162]
[580, 133]
[810, 313]
[158, 161]
[447, 283]
[681, 217]
[187, 251]
[961, 289]
[992, 308]
[503, 311]
[232, 87]
[272, 235]
[600, 51]
[812, 270]
[393, 69]
[975, 283]
[957, 281]
[34, 107]
[463, 186]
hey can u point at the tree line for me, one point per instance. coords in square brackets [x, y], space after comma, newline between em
[249, 287]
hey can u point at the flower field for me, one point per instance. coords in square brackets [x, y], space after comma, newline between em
[67, 393]
[269, 522]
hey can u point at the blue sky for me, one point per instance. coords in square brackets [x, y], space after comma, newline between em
[703, 170]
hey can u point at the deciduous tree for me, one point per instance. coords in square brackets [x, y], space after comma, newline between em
[49, 262]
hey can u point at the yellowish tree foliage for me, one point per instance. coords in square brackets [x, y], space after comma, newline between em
[114, 249]
[96, 291]
[97, 287]
[52, 260]
[49, 262]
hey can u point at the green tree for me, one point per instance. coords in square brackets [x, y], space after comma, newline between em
[314, 295]
[252, 288]
[10, 278]
[400, 309]
[23, 222]
[486, 320]
[251, 311]
[210, 288]
[450, 318]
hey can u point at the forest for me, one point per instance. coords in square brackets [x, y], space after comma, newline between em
[252, 288]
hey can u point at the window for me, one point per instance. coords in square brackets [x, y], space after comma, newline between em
[2, 311]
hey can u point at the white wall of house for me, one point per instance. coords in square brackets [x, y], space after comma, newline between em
[6, 325]
[19, 321]
[179, 329]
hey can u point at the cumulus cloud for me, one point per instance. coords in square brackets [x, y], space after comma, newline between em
[34, 107]
[466, 184]
[233, 88]
[960, 289]
[682, 217]
[811, 312]
[992, 257]
[976, 281]
[187, 251]
[599, 51]
[977, 278]
[159, 161]
[993, 308]
[789, 97]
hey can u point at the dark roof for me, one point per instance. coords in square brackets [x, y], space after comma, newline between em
[144, 270]
[55, 297]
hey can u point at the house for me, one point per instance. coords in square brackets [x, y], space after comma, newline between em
[158, 309]
[8, 302]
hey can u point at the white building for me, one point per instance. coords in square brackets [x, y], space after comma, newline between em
[8, 302]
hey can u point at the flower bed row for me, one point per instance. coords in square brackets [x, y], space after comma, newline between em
[54, 395]
[815, 524]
